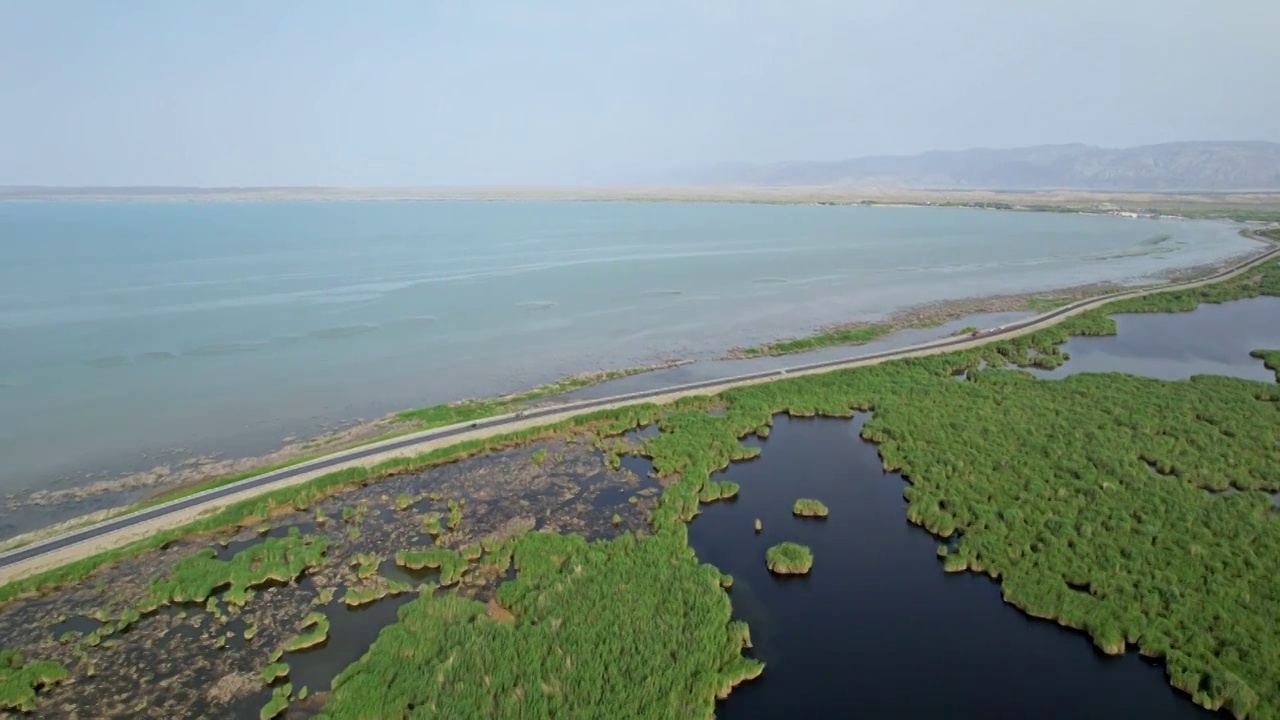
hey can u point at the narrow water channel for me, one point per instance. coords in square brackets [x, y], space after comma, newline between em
[877, 629]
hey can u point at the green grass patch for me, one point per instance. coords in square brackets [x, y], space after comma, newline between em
[789, 558]
[20, 680]
[366, 564]
[275, 671]
[315, 627]
[278, 703]
[1270, 360]
[431, 523]
[848, 336]
[196, 577]
[451, 563]
[355, 597]
[808, 507]
[713, 490]
[1045, 304]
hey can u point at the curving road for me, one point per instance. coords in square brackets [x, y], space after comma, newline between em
[265, 481]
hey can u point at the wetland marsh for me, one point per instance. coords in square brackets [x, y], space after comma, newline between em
[146, 638]
[1097, 501]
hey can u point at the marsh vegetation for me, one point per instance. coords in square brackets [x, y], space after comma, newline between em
[1093, 500]
[206, 657]
[808, 507]
[788, 558]
[20, 679]
[556, 642]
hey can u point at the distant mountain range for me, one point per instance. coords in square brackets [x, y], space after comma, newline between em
[1179, 166]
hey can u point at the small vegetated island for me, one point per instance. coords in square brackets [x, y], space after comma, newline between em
[1095, 500]
[808, 507]
[789, 558]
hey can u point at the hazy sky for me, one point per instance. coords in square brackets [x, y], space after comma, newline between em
[423, 93]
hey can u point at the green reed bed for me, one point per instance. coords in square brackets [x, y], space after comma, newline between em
[275, 671]
[20, 680]
[713, 490]
[1270, 360]
[198, 576]
[808, 507]
[860, 335]
[789, 558]
[315, 630]
[360, 596]
[451, 563]
[278, 703]
[623, 628]
[366, 564]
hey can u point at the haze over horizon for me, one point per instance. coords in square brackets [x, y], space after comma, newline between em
[570, 93]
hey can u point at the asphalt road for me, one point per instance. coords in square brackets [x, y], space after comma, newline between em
[108, 526]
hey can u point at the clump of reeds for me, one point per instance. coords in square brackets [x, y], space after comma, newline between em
[808, 507]
[789, 558]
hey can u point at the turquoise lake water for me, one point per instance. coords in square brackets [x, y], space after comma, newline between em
[131, 329]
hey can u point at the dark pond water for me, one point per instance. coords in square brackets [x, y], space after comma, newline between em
[877, 629]
[1210, 340]
[351, 632]
[75, 624]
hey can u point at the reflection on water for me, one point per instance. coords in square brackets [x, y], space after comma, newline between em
[1210, 340]
[878, 629]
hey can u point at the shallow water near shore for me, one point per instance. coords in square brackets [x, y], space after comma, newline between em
[140, 333]
[877, 625]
